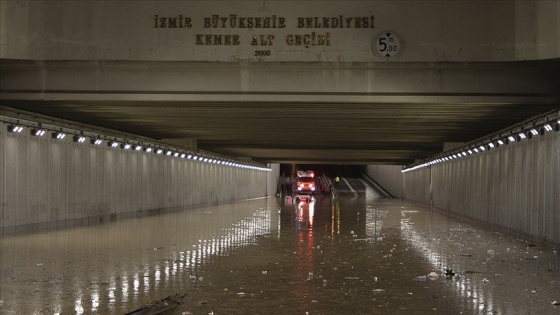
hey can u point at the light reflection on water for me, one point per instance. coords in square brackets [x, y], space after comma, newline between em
[120, 265]
[484, 281]
[374, 222]
[330, 250]
[433, 251]
[242, 233]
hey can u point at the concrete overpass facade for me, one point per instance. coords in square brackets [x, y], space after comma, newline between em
[380, 83]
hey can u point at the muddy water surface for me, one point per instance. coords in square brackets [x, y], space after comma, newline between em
[349, 255]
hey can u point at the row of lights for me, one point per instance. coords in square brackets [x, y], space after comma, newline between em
[479, 148]
[59, 135]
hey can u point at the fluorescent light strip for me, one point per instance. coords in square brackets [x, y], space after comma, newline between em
[60, 135]
[511, 138]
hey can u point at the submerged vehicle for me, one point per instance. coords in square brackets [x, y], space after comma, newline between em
[305, 184]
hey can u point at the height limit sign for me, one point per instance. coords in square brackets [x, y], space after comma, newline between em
[387, 45]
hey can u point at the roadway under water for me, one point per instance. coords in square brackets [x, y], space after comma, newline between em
[347, 255]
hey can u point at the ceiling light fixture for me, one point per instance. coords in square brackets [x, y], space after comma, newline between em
[38, 132]
[15, 128]
[59, 135]
[79, 139]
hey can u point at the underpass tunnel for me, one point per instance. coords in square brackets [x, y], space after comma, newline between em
[150, 150]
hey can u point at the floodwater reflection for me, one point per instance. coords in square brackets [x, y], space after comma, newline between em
[351, 255]
[117, 267]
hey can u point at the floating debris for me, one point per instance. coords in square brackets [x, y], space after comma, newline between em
[160, 307]
[449, 272]
[433, 276]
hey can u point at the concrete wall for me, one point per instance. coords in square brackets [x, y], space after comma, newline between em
[454, 30]
[389, 177]
[45, 182]
[514, 186]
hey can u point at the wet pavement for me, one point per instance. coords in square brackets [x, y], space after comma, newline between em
[348, 255]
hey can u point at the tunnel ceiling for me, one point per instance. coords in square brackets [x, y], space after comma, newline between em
[292, 127]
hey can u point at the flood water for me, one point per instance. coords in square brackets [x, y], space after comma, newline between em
[347, 255]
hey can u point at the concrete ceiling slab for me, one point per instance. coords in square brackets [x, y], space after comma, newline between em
[349, 119]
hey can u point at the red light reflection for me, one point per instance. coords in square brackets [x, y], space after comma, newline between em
[304, 225]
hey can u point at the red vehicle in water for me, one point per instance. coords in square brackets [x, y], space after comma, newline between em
[305, 182]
